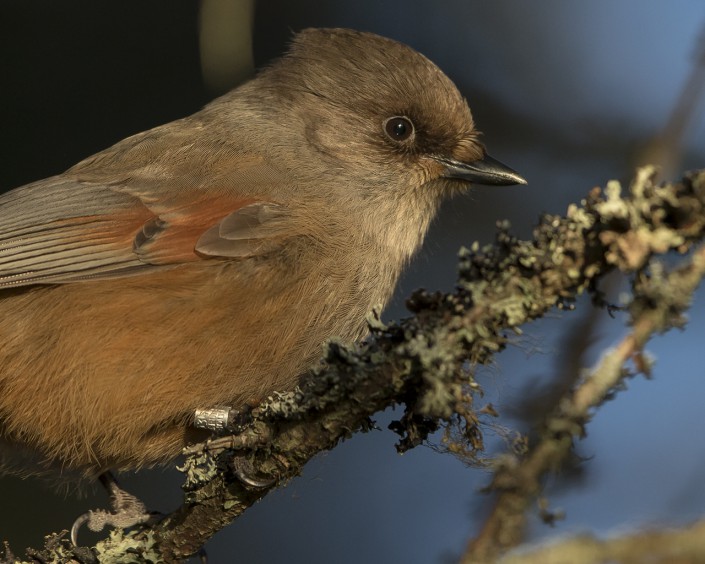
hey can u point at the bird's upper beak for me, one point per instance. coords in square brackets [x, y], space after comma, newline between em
[481, 171]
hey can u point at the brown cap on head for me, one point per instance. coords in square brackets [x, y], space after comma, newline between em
[356, 82]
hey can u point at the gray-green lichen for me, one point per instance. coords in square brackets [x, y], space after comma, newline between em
[424, 363]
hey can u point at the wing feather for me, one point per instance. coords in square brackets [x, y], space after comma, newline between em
[140, 205]
[56, 230]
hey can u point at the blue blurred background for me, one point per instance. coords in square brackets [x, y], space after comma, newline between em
[569, 93]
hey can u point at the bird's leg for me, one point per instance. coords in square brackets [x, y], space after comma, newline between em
[215, 419]
[127, 510]
[218, 420]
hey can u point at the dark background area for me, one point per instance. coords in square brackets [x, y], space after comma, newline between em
[570, 94]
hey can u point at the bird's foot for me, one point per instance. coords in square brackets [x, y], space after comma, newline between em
[245, 472]
[219, 419]
[127, 511]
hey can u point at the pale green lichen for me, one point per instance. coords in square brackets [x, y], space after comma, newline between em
[126, 549]
[422, 362]
[198, 469]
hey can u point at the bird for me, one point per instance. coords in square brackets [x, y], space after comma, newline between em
[206, 261]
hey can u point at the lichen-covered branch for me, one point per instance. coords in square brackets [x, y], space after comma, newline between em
[685, 545]
[659, 302]
[425, 362]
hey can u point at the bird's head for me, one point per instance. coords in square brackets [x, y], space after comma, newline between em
[376, 110]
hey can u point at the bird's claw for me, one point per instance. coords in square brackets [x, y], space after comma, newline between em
[97, 520]
[247, 475]
[127, 511]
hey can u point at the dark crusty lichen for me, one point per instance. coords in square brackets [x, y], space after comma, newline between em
[424, 363]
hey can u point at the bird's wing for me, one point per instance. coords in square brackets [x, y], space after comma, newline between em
[91, 223]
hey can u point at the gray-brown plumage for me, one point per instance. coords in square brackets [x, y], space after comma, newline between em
[204, 262]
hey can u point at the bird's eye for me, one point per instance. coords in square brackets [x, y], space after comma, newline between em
[399, 128]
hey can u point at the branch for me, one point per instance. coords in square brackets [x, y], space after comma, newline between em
[423, 362]
[658, 306]
[657, 547]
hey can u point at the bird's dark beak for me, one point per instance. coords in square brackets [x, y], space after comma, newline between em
[482, 171]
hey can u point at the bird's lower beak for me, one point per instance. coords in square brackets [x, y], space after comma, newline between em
[482, 171]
